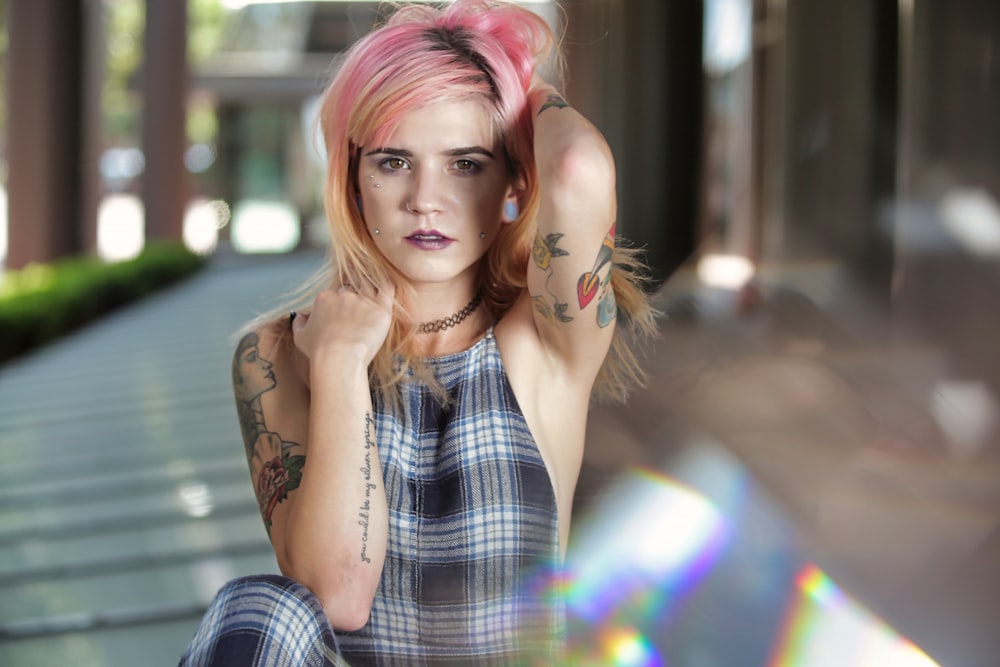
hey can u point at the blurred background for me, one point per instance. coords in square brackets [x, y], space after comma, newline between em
[812, 476]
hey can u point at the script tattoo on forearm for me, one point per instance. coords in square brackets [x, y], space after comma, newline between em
[598, 281]
[275, 472]
[366, 470]
[543, 251]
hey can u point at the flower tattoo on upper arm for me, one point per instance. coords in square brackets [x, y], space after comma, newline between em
[594, 284]
[543, 251]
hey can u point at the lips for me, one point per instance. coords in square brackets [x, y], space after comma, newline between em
[430, 239]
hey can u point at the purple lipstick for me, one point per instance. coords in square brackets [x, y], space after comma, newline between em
[429, 239]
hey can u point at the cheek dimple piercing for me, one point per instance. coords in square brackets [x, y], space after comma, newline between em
[376, 231]
[482, 235]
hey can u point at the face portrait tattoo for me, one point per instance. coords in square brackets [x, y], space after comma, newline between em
[252, 374]
[275, 472]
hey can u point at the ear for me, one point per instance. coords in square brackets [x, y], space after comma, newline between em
[512, 200]
[510, 210]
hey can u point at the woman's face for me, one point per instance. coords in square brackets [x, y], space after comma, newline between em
[435, 191]
[255, 374]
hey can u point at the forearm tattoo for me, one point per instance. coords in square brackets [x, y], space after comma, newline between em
[366, 470]
[275, 472]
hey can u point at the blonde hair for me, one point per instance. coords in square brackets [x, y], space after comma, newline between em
[420, 56]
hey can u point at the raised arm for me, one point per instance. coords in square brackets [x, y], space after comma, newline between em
[311, 447]
[569, 278]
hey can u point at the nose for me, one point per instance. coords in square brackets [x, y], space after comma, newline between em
[426, 196]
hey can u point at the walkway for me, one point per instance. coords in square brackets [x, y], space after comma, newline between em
[124, 501]
[772, 459]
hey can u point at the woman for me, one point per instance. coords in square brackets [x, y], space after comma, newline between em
[427, 416]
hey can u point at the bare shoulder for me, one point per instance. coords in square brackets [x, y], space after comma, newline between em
[270, 381]
[266, 341]
[269, 346]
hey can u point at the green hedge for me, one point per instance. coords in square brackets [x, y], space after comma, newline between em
[42, 302]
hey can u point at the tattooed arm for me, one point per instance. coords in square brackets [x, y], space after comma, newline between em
[312, 452]
[570, 276]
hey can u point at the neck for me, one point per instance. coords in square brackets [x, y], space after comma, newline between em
[433, 340]
[452, 341]
[453, 320]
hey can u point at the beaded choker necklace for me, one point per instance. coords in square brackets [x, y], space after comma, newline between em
[452, 320]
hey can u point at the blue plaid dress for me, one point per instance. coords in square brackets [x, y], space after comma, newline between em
[473, 537]
[471, 567]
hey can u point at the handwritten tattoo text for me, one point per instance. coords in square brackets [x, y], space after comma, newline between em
[366, 470]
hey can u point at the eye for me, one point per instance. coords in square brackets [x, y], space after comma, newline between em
[466, 165]
[393, 163]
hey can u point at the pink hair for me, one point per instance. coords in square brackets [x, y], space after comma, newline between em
[420, 56]
[423, 55]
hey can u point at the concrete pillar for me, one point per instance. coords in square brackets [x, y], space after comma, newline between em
[91, 119]
[44, 130]
[634, 69]
[669, 100]
[165, 185]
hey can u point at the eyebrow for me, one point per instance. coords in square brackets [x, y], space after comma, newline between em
[453, 152]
